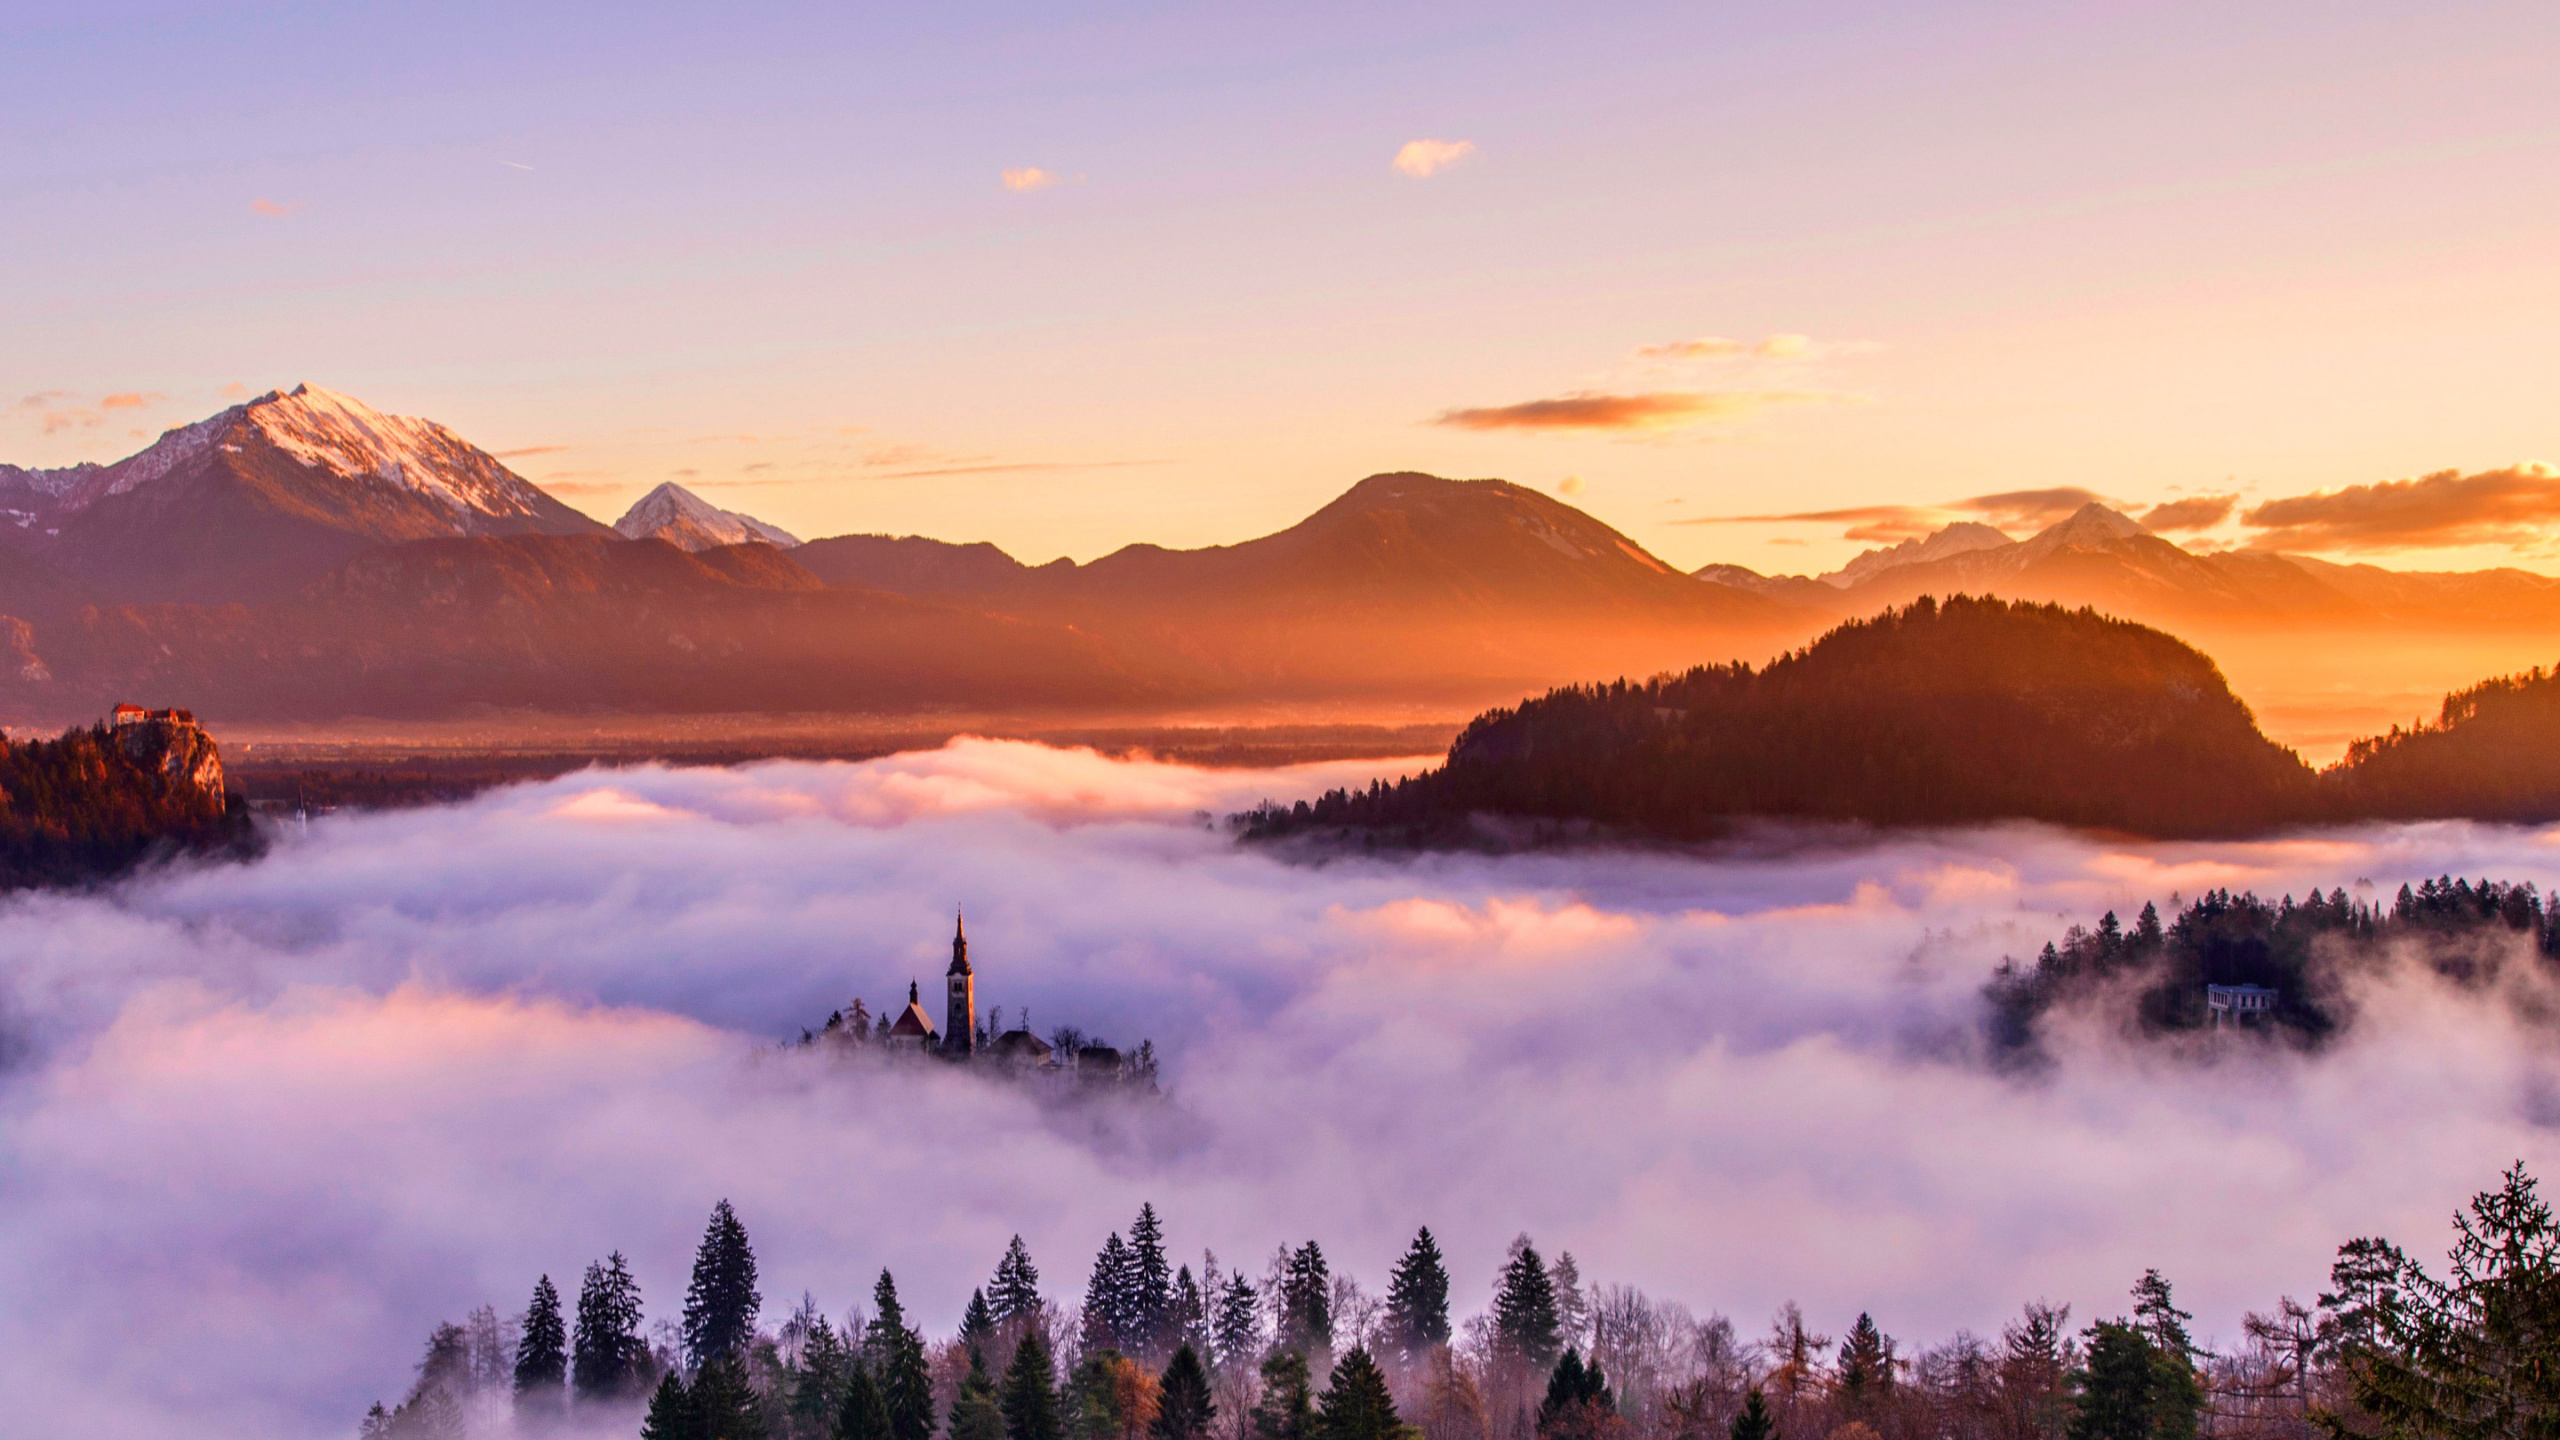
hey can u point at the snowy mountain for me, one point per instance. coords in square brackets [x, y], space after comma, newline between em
[687, 521]
[267, 495]
[1960, 538]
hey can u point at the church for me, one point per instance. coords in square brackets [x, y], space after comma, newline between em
[962, 1037]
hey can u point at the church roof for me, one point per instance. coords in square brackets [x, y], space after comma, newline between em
[912, 1020]
[1023, 1043]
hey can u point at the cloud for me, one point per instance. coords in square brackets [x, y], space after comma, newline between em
[2515, 506]
[1570, 485]
[1655, 410]
[1029, 177]
[264, 206]
[130, 400]
[2195, 512]
[1706, 347]
[1771, 347]
[235, 391]
[307, 1108]
[2011, 510]
[1424, 158]
[529, 450]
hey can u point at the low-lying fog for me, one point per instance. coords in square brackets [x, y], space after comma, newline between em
[261, 1127]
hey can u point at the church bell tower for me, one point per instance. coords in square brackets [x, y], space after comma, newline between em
[960, 1016]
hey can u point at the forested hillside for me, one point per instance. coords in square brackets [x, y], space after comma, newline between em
[2493, 753]
[1967, 711]
[96, 802]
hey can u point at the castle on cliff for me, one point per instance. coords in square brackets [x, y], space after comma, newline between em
[963, 1038]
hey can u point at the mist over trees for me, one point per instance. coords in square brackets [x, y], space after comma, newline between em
[2389, 1351]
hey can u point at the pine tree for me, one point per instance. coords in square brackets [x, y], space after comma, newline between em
[1030, 1393]
[1150, 1287]
[897, 1355]
[542, 1358]
[1184, 1409]
[1752, 1421]
[975, 1415]
[1418, 1300]
[1356, 1404]
[2177, 1395]
[725, 1406]
[977, 1323]
[861, 1415]
[1110, 1298]
[720, 1306]
[1236, 1333]
[1578, 1400]
[1524, 1309]
[817, 1387]
[1306, 1303]
[1189, 1324]
[1866, 1366]
[2118, 1384]
[1573, 1310]
[1285, 1412]
[2158, 1317]
[605, 1360]
[671, 1414]
[1015, 1295]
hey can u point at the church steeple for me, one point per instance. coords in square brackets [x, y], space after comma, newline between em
[960, 990]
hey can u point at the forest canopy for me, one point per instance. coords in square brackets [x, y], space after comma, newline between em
[96, 802]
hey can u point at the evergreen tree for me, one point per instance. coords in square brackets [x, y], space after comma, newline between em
[605, 1361]
[1752, 1421]
[542, 1358]
[861, 1415]
[2177, 1392]
[720, 1306]
[1306, 1303]
[896, 1354]
[1578, 1399]
[1236, 1332]
[1573, 1309]
[1150, 1287]
[1190, 1321]
[2158, 1317]
[725, 1406]
[1285, 1411]
[975, 1415]
[1030, 1399]
[671, 1414]
[1418, 1299]
[977, 1323]
[1866, 1366]
[2118, 1386]
[1356, 1404]
[1110, 1298]
[817, 1387]
[1015, 1295]
[1184, 1409]
[1524, 1309]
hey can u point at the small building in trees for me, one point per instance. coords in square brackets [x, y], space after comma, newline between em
[2237, 1004]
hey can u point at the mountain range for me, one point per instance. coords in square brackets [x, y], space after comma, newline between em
[303, 556]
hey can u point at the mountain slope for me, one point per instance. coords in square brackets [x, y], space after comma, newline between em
[259, 499]
[687, 521]
[1963, 712]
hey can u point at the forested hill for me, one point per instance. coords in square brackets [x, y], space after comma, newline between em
[2493, 753]
[96, 802]
[1967, 711]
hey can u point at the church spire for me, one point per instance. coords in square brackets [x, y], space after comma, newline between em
[959, 946]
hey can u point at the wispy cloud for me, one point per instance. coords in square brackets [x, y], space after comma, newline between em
[265, 206]
[528, 450]
[1422, 159]
[2515, 506]
[2195, 512]
[130, 400]
[2011, 510]
[1770, 347]
[1651, 411]
[1030, 177]
[1705, 347]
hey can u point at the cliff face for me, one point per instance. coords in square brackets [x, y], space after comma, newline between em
[171, 745]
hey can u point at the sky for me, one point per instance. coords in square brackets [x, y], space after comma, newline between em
[1069, 277]
[263, 1126]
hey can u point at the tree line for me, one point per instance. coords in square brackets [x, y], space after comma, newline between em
[2303, 950]
[1158, 1350]
[1959, 711]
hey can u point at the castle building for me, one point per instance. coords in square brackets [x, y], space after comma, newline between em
[960, 984]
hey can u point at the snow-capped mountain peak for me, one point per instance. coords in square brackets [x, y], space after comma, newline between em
[327, 430]
[686, 520]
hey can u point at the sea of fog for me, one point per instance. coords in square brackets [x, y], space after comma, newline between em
[262, 1126]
